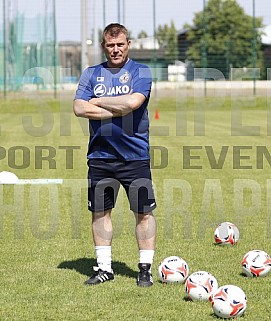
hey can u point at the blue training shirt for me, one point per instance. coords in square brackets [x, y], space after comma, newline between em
[126, 137]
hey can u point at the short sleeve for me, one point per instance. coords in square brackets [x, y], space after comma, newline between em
[84, 90]
[142, 81]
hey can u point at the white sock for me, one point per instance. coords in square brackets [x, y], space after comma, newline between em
[146, 256]
[104, 257]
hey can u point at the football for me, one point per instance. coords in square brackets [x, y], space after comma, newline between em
[228, 301]
[8, 178]
[173, 269]
[226, 233]
[256, 263]
[200, 285]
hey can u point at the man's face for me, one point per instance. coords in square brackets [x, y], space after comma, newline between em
[116, 50]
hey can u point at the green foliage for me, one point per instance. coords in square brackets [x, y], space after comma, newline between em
[167, 38]
[142, 34]
[228, 38]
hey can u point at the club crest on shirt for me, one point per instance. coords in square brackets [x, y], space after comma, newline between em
[125, 77]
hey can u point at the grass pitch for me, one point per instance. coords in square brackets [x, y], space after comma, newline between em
[210, 163]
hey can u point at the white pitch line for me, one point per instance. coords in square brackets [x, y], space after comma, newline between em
[41, 181]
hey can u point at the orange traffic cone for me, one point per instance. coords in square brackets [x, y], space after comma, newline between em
[156, 114]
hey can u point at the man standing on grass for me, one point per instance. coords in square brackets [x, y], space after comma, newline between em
[114, 97]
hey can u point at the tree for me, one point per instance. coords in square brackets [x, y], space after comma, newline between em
[228, 38]
[142, 34]
[168, 39]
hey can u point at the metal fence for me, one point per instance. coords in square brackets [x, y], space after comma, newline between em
[27, 42]
[50, 41]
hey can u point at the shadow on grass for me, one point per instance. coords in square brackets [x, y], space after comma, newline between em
[84, 266]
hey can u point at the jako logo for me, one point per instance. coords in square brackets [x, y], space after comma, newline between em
[100, 90]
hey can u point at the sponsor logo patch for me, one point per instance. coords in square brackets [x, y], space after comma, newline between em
[101, 90]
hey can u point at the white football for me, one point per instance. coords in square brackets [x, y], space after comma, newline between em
[200, 285]
[226, 233]
[173, 269]
[8, 178]
[228, 301]
[256, 263]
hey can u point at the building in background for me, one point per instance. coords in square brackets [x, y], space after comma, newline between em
[143, 50]
[266, 46]
[70, 60]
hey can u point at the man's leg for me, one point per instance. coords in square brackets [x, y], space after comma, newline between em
[102, 232]
[146, 237]
[145, 231]
[102, 194]
[102, 229]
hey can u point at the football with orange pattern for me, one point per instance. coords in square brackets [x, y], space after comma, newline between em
[256, 263]
[173, 269]
[200, 285]
[226, 233]
[228, 301]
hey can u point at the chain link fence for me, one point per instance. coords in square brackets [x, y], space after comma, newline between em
[39, 51]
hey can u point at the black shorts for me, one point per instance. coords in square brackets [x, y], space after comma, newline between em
[105, 178]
